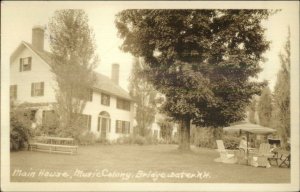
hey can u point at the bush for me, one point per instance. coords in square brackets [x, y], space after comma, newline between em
[133, 139]
[231, 142]
[20, 129]
[86, 138]
[202, 137]
[103, 141]
[151, 140]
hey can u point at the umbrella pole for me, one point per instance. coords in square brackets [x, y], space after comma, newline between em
[247, 148]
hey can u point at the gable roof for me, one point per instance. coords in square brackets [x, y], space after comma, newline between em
[103, 83]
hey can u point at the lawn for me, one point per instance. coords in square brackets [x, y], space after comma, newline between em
[133, 163]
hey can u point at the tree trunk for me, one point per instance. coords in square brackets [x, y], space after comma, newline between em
[184, 136]
[217, 132]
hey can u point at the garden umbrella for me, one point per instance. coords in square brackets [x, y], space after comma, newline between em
[249, 128]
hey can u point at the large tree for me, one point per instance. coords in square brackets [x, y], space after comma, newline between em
[144, 96]
[201, 60]
[282, 94]
[264, 107]
[73, 60]
[252, 111]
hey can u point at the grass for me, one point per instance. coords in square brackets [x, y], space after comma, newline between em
[133, 163]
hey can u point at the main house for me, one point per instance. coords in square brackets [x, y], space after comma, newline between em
[108, 112]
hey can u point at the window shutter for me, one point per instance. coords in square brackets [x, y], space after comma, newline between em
[42, 87]
[128, 127]
[20, 64]
[99, 119]
[116, 126]
[90, 121]
[29, 63]
[109, 125]
[32, 89]
[16, 91]
[123, 127]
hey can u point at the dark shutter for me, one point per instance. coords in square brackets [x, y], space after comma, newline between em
[116, 126]
[123, 127]
[109, 125]
[128, 127]
[42, 85]
[16, 91]
[99, 119]
[89, 121]
[32, 88]
[29, 63]
[20, 64]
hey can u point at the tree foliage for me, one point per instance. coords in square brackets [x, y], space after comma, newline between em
[252, 111]
[264, 107]
[144, 96]
[282, 94]
[201, 60]
[20, 127]
[166, 127]
[73, 60]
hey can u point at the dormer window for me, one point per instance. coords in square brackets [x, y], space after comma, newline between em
[25, 64]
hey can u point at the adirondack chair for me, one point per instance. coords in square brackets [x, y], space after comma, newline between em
[225, 156]
[261, 157]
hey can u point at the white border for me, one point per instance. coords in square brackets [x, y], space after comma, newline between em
[294, 186]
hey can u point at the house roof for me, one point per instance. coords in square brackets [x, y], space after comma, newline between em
[103, 83]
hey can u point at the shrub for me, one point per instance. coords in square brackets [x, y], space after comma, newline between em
[202, 137]
[20, 129]
[231, 142]
[132, 139]
[151, 140]
[139, 140]
[102, 140]
[86, 138]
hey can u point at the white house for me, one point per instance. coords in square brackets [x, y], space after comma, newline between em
[109, 111]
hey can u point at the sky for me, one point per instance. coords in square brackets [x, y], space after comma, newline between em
[18, 18]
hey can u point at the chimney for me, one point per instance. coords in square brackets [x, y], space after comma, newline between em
[115, 73]
[38, 37]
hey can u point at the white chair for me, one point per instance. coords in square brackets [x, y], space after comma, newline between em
[225, 156]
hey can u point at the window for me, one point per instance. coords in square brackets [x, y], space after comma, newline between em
[122, 127]
[105, 99]
[37, 89]
[13, 91]
[123, 104]
[25, 64]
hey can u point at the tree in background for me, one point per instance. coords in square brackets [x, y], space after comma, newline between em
[201, 60]
[144, 96]
[282, 95]
[166, 128]
[252, 111]
[73, 60]
[264, 107]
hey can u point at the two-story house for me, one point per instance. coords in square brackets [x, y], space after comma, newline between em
[109, 111]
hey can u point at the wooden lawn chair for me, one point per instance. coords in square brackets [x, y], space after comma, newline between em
[225, 156]
[261, 158]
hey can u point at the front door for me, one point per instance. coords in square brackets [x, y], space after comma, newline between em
[104, 123]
